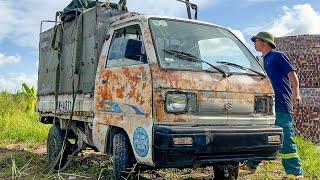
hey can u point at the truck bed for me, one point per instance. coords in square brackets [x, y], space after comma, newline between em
[83, 107]
[82, 41]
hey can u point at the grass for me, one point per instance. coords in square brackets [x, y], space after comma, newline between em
[310, 158]
[20, 126]
[18, 121]
[310, 155]
[23, 163]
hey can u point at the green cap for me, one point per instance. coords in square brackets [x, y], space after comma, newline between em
[265, 36]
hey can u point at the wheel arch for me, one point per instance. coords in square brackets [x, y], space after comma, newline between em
[109, 140]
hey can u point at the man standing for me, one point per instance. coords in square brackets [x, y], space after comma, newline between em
[285, 84]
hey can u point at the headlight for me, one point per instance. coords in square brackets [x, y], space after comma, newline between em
[176, 102]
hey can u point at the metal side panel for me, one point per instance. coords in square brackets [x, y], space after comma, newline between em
[48, 61]
[87, 65]
[83, 106]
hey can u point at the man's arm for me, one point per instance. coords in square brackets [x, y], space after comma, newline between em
[294, 81]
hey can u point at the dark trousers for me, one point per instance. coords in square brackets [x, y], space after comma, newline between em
[288, 153]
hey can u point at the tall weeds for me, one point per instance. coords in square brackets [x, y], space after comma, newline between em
[17, 122]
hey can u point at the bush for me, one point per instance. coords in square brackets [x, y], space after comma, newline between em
[310, 156]
[17, 122]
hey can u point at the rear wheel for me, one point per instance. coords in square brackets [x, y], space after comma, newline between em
[226, 171]
[54, 146]
[122, 157]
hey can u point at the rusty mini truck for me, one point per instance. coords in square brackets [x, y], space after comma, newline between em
[155, 92]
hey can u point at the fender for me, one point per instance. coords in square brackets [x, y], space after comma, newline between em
[100, 134]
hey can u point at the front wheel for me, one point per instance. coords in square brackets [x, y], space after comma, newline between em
[226, 171]
[122, 157]
[54, 147]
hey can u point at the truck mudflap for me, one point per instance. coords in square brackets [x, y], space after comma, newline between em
[186, 146]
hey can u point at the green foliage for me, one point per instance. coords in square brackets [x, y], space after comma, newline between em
[310, 158]
[31, 92]
[17, 123]
[310, 155]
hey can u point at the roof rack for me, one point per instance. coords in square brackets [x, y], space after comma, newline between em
[190, 6]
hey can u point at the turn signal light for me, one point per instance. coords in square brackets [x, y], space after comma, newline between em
[274, 139]
[182, 141]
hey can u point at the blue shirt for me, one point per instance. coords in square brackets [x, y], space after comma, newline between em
[277, 67]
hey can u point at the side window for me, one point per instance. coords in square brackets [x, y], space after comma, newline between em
[126, 47]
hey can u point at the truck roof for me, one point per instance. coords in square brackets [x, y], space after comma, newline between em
[137, 16]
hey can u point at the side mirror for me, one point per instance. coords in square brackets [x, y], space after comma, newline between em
[133, 50]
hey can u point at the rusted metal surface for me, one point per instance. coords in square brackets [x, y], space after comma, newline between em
[126, 88]
[210, 88]
[120, 90]
[83, 107]
[133, 97]
[125, 101]
[100, 135]
[123, 98]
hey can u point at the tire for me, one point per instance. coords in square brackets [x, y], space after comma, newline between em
[233, 170]
[54, 146]
[122, 157]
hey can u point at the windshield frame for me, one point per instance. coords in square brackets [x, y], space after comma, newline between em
[204, 24]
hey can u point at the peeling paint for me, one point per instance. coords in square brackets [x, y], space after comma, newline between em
[134, 96]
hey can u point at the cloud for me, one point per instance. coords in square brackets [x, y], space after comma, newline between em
[37, 64]
[9, 59]
[7, 85]
[301, 19]
[298, 20]
[22, 20]
[261, 1]
[165, 7]
[239, 35]
[7, 18]
[14, 82]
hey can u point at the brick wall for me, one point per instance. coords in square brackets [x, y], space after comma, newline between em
[304, 53]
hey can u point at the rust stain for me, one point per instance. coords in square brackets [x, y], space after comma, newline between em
[133, 85]
[207, 86]
[132, 92]
[179, 120]
[98, 127]
[126, 85]
[119, 92]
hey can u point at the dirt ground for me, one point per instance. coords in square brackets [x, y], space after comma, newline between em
[18, 162]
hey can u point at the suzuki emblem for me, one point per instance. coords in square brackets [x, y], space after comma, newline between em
[228, 106]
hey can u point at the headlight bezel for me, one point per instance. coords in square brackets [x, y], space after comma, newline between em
[190, 102]
[268, 103]
[169, 97]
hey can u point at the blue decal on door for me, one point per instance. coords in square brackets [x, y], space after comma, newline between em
[137, 110]
[112, 107]
[117, 108]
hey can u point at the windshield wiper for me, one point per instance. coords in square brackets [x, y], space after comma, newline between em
[242, 67]
[195, 59]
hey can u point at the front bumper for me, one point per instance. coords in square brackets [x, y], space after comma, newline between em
[211, 144]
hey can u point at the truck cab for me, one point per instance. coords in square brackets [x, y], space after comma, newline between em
[171, 93]
[184, 92]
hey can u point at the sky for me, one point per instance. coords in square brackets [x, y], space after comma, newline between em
[20, 26]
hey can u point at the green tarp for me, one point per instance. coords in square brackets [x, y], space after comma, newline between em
[77, 6]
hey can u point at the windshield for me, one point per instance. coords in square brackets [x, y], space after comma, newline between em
[212, 45]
